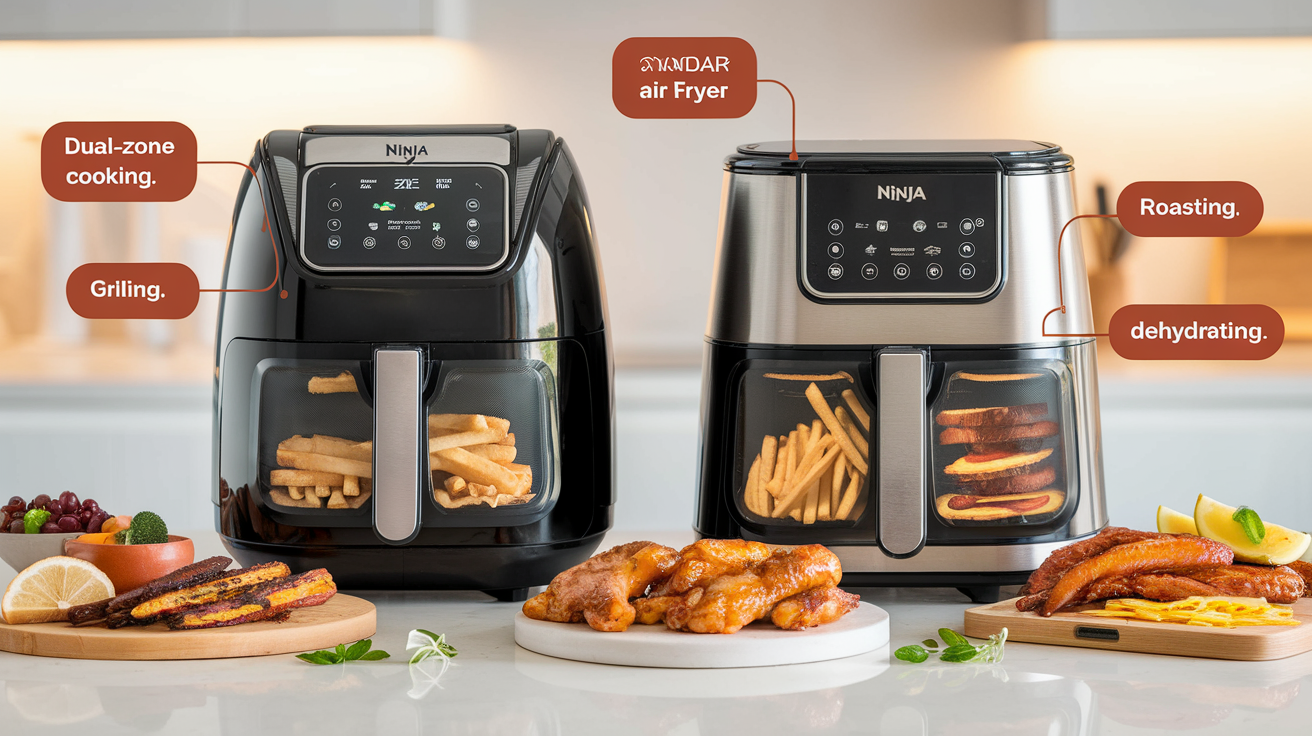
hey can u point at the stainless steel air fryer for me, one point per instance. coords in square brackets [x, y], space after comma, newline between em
[877, 375]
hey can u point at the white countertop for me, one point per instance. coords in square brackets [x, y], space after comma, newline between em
[496, 688]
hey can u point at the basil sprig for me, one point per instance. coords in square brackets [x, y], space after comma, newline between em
[357, 651]
[958, 649]
[1251, 523]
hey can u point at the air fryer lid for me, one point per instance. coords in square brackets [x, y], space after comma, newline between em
[1011, 156]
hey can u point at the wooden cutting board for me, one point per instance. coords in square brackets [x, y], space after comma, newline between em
[1250, 643]
[759, 644]
[342, 619]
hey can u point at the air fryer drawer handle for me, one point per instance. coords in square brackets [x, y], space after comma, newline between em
[901, 461]
[398, 420]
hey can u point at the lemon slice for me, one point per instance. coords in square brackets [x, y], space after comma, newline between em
[1170, 521]
[46, 590]
[1280, 545]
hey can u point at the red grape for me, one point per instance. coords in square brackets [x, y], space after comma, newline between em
[97, 519]
[84, 516]
[70, 502]
[50, 527]
[39, 502]
[16, 527]
[16, 501]
[69, 524]
[55, 508]
[90, 503]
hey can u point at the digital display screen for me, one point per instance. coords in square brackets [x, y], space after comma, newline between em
[415, 217]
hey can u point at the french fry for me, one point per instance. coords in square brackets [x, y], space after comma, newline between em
[321, 444]
[323, 491]
[769, 449]
[858, 411]
[313, 499]
[497, 423]
[811, 507]
[817, 431]
[804, 437]
[796, 489]
[850, 496]
[295, 492]
[509, 440]
[437, 443]
[795, 514]
[841, 375]
[858, 439]
[350, 485]
[753, 481]
[525, 474]
[795, 453]
[475, 469]
[325, 463]
[456, 486]
[821, 407]
[456, 422]
[776, 483]
[338, 499]
[288, 477]
[501, 454]
[342, 383]
[822, 512]
[477, 489]
[836, 486]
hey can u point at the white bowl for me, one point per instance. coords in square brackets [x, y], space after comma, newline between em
[19, 551]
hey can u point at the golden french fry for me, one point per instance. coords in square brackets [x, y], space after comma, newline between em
[312, 499]
[749, 491]
[525, 474]
[338, 500]
[509, 440]
[801, 482]
[351, 485]
[804, 437]
[323, 491]
[858, 411]
[475, 469]
[322, 444]
[821, 407]
[288, 477]
[811, 507]
[817, 431]
[836, 486]
[325, 463]
[804, 465]
[776, 483]
[455, 485]
[478, 489]
[497, 423]
[850, 496]
[501, 454]
[822, 511]
[769, 449]
[342, 383]
[437, 443]
[795, 514]
[456, 423]
[841, 375]
[295, 492]
[858, 439]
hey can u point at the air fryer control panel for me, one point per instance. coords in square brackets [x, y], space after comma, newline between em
[418, 217]
[901, 236]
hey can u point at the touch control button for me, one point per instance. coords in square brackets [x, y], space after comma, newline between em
[370, 242]
[869, 271]
[835, 227]
[471, 225]
[334, 241]
[901, 271]
[403, 242]
[967, 271]
[967, 226]
[472, 242]
[439, 242]
[835, 271]
[919, 226]
[933, 271]
[334, 204]
[966, 250]
[835, 250]
[334, 224]
[471, 205]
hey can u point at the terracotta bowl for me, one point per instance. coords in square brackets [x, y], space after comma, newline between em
[131, 566]
[19, 551]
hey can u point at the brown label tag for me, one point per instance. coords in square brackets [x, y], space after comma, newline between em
[132, 291]
[1196, 332]
[118, 162]
[1182, 209]
[684, 77]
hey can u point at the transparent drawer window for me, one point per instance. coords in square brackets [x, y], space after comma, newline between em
[804, 444]
[999, 448]
[315, 436]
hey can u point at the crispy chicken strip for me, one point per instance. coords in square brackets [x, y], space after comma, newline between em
[698, 563]
[211, 591]
[1276, 584]
[730, 602]
[1059, 562]
[598, 591]
[1304, 570]
[183, 577]
[815, 607]
[262, 602]
[1149, 555]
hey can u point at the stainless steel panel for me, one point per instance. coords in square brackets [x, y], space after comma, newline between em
[397, 451]
[954, 558]
[756, 297]
[1091, 507]
[900, 470]
[437, 149]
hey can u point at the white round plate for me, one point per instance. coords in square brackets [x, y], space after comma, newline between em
[760, 644]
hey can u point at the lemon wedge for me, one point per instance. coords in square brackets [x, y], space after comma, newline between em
[1170, 521]
[1280, 545]
[48, 588]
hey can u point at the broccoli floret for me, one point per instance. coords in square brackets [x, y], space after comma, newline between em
[147, 528]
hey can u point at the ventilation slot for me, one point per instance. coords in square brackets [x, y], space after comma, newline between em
[524, 182]
[287, 177]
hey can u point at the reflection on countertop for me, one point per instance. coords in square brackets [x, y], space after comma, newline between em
[496, 688]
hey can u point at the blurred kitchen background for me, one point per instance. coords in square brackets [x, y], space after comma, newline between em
[1134, 89]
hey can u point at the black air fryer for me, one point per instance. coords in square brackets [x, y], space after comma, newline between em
[423, 399]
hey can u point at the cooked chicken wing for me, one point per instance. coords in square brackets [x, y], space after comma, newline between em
[729, 602]
[698, 564]
[598, 591]
[815, 607]
[1147, 556]
[1276, 584]
[1062, 560]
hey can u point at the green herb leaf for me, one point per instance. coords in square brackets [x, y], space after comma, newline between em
[319, 657]
[959, 653]
[374, 655]
[930, 644]
[951, 638]
[357, 650]
[341, 652]
[1252, 524]
[430, 634]
[913, 653]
